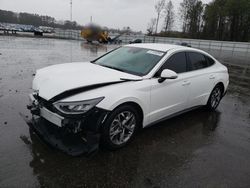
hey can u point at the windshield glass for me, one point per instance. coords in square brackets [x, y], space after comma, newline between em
[138, 61]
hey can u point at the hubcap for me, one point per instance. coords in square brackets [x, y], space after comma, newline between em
[122, 127]
[216, 97]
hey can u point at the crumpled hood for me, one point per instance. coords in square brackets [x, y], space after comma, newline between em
[54, 80]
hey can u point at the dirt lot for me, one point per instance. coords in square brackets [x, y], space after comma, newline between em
[197, 149]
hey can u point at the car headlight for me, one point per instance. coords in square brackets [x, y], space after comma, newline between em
[80, 107]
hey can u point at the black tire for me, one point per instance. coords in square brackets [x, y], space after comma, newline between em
[106, 137]
[215, 98]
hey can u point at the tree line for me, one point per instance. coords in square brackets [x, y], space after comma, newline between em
[35, 20]
[217, 20]
[40, 20]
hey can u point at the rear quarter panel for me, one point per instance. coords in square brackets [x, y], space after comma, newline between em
[222, 75]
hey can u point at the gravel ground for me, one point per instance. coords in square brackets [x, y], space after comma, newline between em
[196, 149]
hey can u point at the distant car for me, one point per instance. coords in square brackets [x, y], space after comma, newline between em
[135, 41]
[131, 87]
[184, 44]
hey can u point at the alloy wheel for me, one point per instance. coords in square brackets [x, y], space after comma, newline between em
[122, 127]
[215, 97]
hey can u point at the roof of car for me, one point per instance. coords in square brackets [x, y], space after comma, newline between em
[157, 46]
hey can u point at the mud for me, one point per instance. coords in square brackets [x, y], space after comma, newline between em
[197, 149]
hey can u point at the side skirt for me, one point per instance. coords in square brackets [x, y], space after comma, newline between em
[173, 115]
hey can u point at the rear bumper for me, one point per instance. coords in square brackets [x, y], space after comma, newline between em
[225, 92]
[74, 136]
[226, 87]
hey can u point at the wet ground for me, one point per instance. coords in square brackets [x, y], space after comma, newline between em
[197, 149]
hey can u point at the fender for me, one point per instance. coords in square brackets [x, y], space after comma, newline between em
[145, 108]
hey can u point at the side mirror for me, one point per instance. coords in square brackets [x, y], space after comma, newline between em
[167, 74]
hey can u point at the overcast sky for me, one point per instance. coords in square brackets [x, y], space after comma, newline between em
[111, 13]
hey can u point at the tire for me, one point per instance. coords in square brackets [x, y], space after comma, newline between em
[117, 131]
[215, 98]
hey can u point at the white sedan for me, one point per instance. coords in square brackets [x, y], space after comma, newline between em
[108, 99]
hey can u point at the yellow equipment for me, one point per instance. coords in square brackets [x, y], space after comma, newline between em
[95, 33]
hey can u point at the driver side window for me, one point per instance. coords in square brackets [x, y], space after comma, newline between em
[176, 63]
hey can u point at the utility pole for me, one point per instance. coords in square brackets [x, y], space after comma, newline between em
[71, 30]
[70, 10]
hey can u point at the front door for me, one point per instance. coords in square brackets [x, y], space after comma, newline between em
[170, 96]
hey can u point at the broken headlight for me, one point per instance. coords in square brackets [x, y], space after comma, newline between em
[80, 107]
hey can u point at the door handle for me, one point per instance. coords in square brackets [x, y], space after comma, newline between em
[186, 83]
[211, 77]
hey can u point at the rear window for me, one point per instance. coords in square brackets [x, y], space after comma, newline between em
[197, 60]
[210, 61]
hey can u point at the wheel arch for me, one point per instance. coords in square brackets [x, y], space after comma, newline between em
[221, 85]
[137, 107]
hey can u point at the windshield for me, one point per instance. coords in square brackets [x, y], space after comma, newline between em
[133, 60]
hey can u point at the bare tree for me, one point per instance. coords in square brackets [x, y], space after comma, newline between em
[159, 8]
[151, 26]
[191, 13]
[184, 8]
[169, 16]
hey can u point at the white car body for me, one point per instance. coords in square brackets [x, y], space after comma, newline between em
[84, 96]
[157, 100]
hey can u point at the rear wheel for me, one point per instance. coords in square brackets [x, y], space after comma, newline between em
[215, 98]
[120, 127]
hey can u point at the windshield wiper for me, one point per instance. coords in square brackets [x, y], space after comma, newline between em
[115, 68]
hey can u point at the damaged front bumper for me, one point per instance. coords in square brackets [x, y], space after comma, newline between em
[74, 135]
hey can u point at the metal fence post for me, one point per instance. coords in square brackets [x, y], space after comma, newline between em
[247, 51]
[233, 49]
[220, 49]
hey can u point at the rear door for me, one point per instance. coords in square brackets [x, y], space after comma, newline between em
[171, 95]
[201, 78]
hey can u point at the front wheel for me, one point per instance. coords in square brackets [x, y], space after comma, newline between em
[215, 98]
[120, 127]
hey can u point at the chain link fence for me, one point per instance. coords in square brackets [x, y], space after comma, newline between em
[228, 52]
